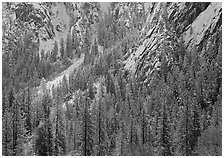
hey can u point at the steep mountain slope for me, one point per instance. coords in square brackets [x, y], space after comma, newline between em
[204, 26]
[193, 23]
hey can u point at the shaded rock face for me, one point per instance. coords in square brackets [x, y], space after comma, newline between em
[168, 29]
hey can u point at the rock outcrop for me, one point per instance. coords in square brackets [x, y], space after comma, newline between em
[168, 28]
[47, 21]
[204, 26]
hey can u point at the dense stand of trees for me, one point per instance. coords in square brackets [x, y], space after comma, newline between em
[25, 66]
[101, 110]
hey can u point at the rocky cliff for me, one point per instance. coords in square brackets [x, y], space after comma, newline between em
[47, 22]
[170, 28]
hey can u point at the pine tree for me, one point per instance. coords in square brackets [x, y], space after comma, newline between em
[167, 148]
[163, 139]
[75, 125]
[18, 129]
[35, 79]
[94, 48]
[69, 49]
[86, 46]
[195, 131]
[60, 134]
[75, 44]
[7, 133]
[72, 81]
[64, 86]
[27, 104]
[87, 129]
[185, 121]
[102, 147]
[15, 121]
[23, 133]
[54, 52]
[65, 59]
[62, 48]
[143, 124]
[44, 142]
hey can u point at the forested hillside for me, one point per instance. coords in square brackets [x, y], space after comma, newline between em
[135, 79]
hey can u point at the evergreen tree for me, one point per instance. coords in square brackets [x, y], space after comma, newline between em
[195, 131]
[72, 81]
[143, 123]
[15, 121]
[66, 55]
[86, 47]
[163, 137]
[60, 133]
[75, 44]
[95, 48]
[75, 126]
[44, 141]
[7, 133]
[62, 48]
[69, 49]
[54, 52]
[64, 86]
[102, 146]
[87, 129]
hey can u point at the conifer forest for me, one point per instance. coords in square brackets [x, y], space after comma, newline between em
[111, 78]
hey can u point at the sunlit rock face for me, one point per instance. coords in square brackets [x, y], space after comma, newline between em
[63, 19]
[58, 27]
[170, 26]
[204, 26]
[47, 21]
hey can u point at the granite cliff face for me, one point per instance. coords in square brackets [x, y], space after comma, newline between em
[46, 22]
[170, 28]
[205, 26]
